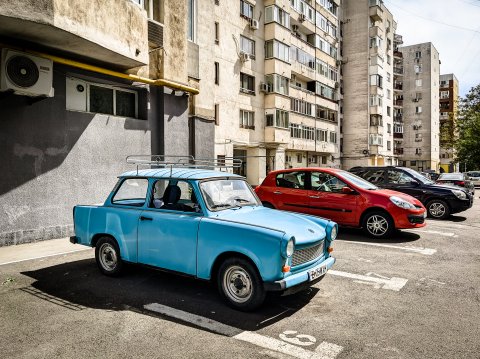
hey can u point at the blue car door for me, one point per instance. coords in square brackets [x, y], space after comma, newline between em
[167, 232]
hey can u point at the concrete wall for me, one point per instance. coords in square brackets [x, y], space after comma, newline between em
[54, 159]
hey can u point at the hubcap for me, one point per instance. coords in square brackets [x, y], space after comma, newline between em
[377, 225]
[237, 284]
[108, 257]
[437, 209]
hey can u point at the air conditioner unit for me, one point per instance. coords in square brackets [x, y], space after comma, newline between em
[294, 28]
[302, 17]
[254, 24]
[25, 74]
[293, 77]
[264, 87]
[417, 127]
[337, 84]
[243, 56]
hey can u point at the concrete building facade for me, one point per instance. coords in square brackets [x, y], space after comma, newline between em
[367, 128]
[421, 127]
[276, 66]
[448, 98]
[80, 91]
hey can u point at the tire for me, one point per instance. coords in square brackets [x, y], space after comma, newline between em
[107, 256]
[268, 205]
[438, 209]
[378, 224]
[240, 284]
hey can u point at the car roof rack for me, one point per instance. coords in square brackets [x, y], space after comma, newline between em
[170, 161]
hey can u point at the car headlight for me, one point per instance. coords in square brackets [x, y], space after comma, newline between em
[333, 234]
[397, 201]
[459, 194]
[290, 247]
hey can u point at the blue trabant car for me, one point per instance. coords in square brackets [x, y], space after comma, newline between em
[210, 225]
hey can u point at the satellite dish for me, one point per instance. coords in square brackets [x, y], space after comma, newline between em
[365, 152]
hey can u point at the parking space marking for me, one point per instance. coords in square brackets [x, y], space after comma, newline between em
[46, 256]
[324, 351]
[425, 251]
[444, 234]
[378, 281]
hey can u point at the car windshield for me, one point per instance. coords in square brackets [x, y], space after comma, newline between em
[357, 181]
[227, 193]
[418, 176]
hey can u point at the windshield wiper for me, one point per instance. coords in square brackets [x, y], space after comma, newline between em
[221, 205]
[242, 200]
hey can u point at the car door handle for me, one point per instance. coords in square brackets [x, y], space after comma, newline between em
[277, 192]
[314, 196]
[142, 218]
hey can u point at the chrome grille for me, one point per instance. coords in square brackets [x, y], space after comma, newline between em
[305, 255]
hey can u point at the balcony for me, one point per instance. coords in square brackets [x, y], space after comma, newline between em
[277, 135]
[398, 54]
[375, 11]
[398, 70]
[398, 151]
[398, 86]
[398, 39]
[398, 103]
[397, 135]
[111, 32]
[376, 31]
[398, 118]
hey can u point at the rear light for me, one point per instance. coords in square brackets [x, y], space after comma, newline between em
[460, 183]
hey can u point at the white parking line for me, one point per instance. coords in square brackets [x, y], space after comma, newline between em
[378, 282]
[425, 251]
[444, 234]
[324, 350]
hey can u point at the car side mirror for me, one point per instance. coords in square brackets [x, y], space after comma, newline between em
[347, 190]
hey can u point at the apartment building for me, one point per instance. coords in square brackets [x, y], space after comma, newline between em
[448, 98]
[421, 127]
[79, 91]
[276, 83]
[368, 84]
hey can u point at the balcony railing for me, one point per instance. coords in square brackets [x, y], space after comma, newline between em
[398, 54]
[398, 102]
[397, 135]
[398, 87]
[398, 70]
[398, 151]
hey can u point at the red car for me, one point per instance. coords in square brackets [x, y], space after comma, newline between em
[342, 197]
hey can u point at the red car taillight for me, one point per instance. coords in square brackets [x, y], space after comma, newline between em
[459, 183]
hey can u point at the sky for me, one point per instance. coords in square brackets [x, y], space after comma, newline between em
[452, 26]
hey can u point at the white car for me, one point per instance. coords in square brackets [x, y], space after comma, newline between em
[474, 177]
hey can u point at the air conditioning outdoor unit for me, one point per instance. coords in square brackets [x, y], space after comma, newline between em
[337, 84]
[293, 77]
[25, 74]
[294, 28]
[264, 87]
[243, 56]
[339, 62]
[254, 24]
[302, 17]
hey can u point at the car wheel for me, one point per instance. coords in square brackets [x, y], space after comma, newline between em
[378, 224]
[240, 284]
[268, 205]
[107, 255]
[438, 209]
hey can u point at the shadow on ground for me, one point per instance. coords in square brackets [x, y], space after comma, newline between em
[79, 285]
[353, 234]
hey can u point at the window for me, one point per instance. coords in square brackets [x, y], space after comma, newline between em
[302, 57]
[418, 109]
[277, 83]
[375, 41]
[217, 33]
[277, 118]
[333, 137]
[322, 135]
[389, 145]
[389, 111]
[389, 59]
[301, 106]
[247, 119]
[389, 94]
[376, 100]
[324, 182]
[217, 114]
[277, 50]
[99, 98]
[373, 176]
[376, 80]
[444, 94]
[275, 14]
[418, 83]
[246, 9]
[191, 20]
[165, 194]
[292, 179]
[388, 77]
[418, 69]
[217, 73]
[389, 128]
[418, 54]
[248, 46]
[247, 83]
[399, 177]
[154, 10]
[299, 158]
[132, 192]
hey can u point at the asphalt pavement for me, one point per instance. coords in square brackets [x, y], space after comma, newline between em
[416, 295]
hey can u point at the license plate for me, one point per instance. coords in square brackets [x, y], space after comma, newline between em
[317, 272]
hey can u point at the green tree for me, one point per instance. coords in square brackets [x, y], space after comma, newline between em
[467, 145]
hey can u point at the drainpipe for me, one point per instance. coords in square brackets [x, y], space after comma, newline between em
[97, 69]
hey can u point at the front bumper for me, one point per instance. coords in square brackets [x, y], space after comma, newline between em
[73, 239]
[299, 280]
[410, 219]
[459, 205]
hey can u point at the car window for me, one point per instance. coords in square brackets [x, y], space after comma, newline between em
[399, 177]
[291, 180]
[227, 193]
[132, 192]
[450, 176]
[325, 182]
[374, 176]
[174, 195]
